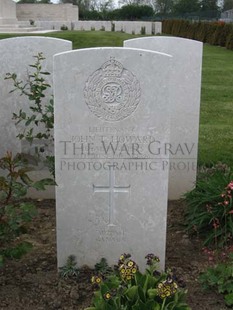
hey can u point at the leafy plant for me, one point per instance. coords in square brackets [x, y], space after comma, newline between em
[38, 120]
[102, 267]
[210, 207]
[129, 289]
[64, 27]
[220, 278]
[15, 214]
[143, 30]
[70, 269]
[17, 251]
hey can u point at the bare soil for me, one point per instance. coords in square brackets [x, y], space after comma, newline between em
[32, 283]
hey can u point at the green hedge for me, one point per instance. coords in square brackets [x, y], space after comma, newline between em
[215, 33]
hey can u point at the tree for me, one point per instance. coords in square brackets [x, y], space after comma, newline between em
[163, 6]
[228, 5]
[186, 6]
[209, 5]
[134, 12]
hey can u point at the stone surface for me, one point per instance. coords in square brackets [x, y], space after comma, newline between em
[47, 12]
[185, 107]
[157, 28]
[7, 12]
[111, 117]
[16, 55]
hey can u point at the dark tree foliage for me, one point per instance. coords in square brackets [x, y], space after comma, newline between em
[209, 5]
[186, 6]
[228, 5]
[135, 12]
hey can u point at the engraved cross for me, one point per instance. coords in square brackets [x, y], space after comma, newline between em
[111, 190]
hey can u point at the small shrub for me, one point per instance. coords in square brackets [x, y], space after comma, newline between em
[102, 28]
[38, 120]
[32, 22]
[92, 28]
[69, 270]
[220, 278]
[143, 30]
[217, 33]
[129, 289]
[15, 214]
[102, 267]
[64, 27]
[112, 27]
[210, 206]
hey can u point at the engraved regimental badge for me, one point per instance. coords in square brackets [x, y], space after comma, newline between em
[112, 92]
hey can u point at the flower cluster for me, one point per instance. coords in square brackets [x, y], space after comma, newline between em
[128, 288]
[227, 195]
[127, 267]
[151, 259]
[230, 186]
[167, 288]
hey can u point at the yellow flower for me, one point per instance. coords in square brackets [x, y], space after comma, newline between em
[98, 280]
[128, 277]
[122, 257]
[107, 296]
[134, 270]
[130, 263]
[122, 270]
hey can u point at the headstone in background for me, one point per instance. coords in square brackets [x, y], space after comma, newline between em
[185, 107]
[8, 12]
[16, 55]
[111, 121]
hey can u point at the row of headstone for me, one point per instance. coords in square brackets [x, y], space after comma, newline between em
[126, 133]
[131, 27]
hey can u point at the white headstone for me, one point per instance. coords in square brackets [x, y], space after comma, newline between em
[111, 115]
[16, 55]
[7, 12]
[185, 107]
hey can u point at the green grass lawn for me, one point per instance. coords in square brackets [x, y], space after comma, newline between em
[216, 119]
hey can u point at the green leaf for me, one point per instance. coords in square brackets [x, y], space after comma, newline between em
[152, 293]
[40, 185]
[141, 294]
[132, 292]
[229, 299]
[25, 178]
[45, 73]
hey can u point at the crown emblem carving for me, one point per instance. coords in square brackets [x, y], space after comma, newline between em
[112, 68]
